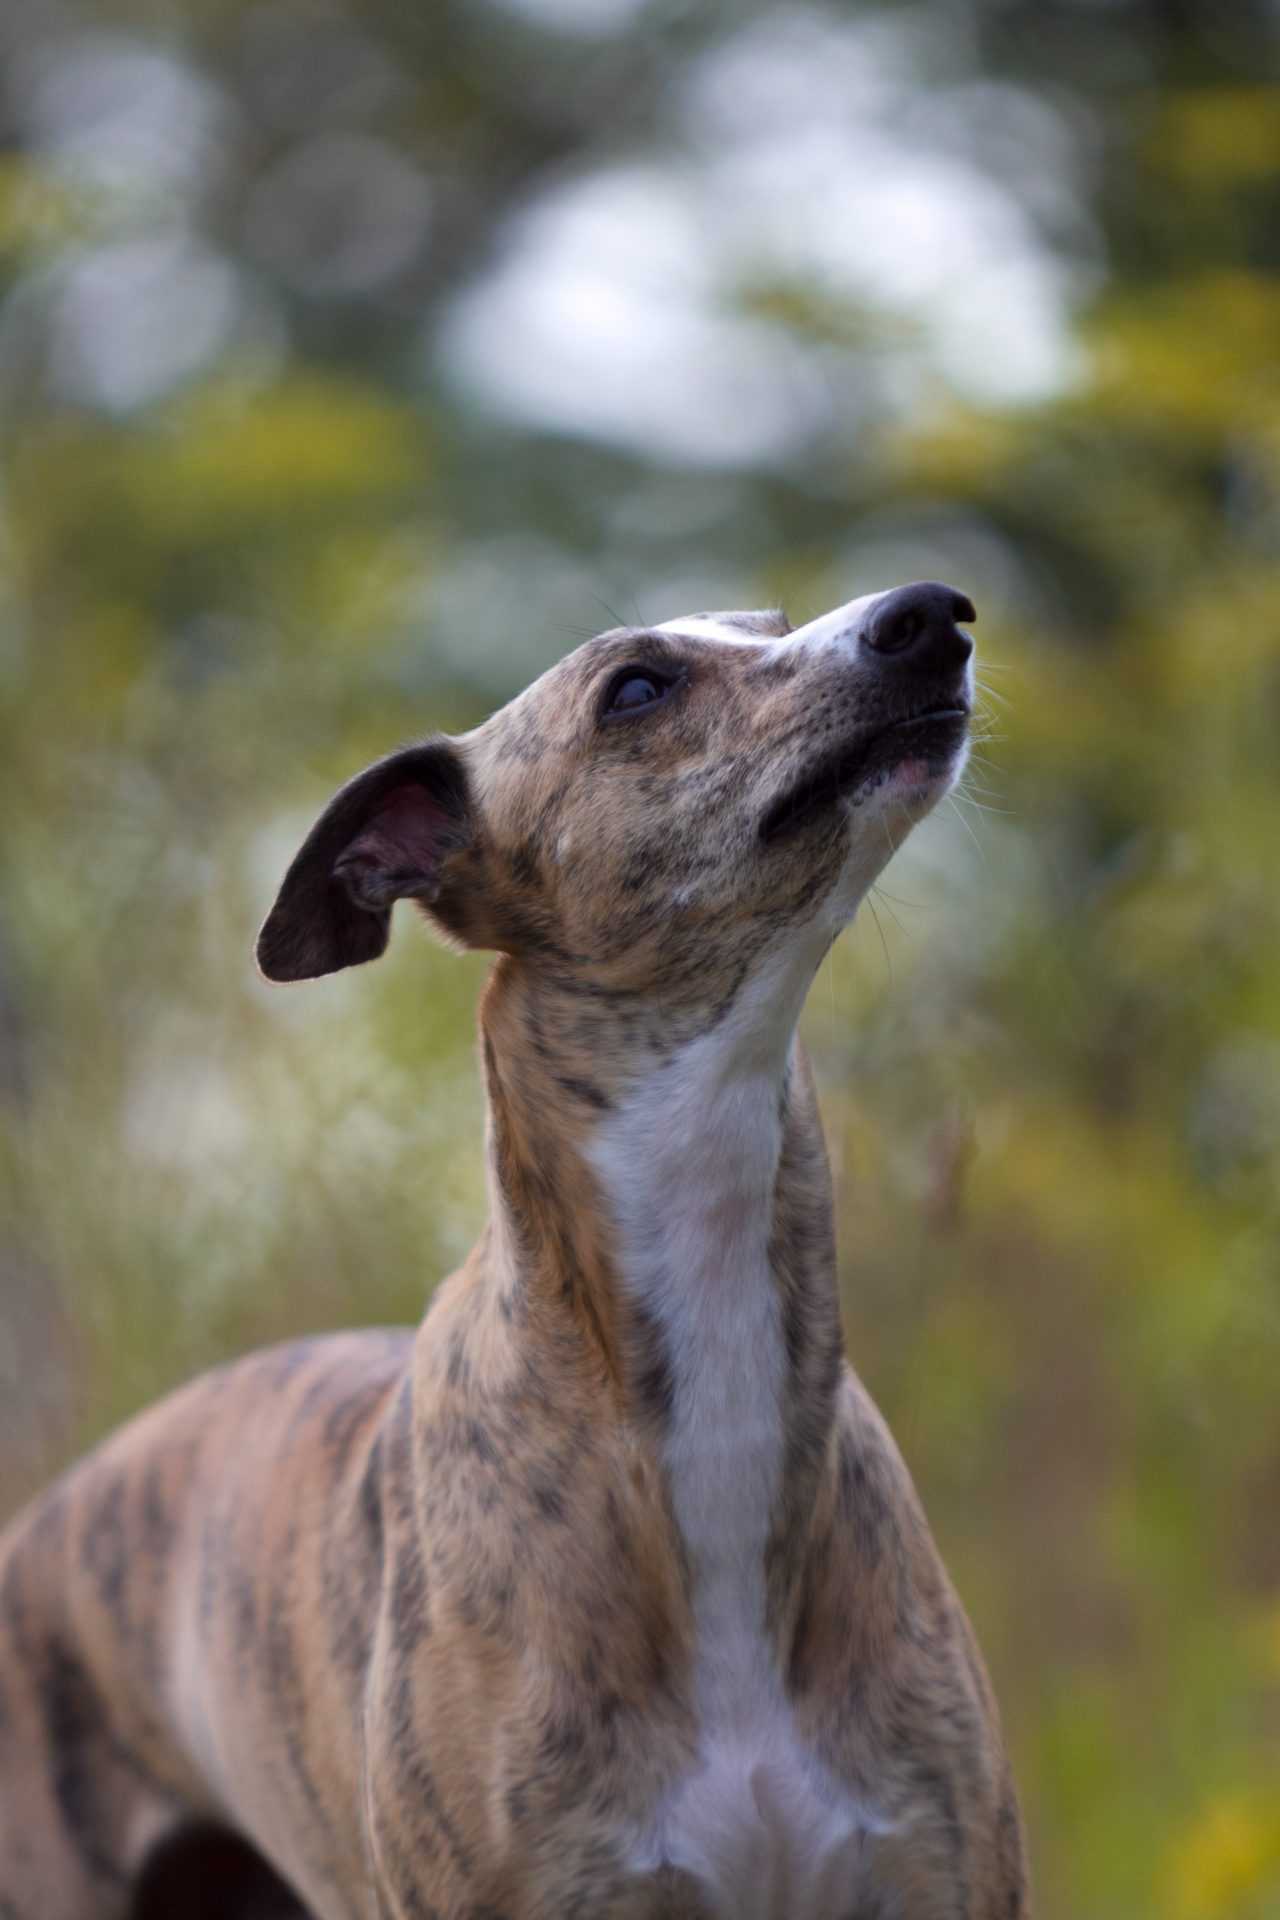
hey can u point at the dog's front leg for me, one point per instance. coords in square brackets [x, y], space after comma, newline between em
[79, 1806]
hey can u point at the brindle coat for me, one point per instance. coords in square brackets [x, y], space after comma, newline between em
[461, 1624]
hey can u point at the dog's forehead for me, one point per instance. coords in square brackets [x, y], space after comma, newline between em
[734, 629]
[739, 630]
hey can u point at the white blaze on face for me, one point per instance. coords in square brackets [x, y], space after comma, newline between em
[704, 626]
[838, 629]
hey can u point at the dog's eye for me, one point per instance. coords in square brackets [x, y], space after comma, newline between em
[635, 688]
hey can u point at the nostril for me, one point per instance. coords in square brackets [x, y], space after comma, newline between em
[920, 619]
[897, 633]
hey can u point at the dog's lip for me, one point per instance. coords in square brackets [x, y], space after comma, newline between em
[958, 711]
[841, 772]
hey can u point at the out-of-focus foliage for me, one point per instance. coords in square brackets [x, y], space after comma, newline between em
[356, 361]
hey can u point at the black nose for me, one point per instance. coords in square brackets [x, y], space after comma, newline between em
[920, 621]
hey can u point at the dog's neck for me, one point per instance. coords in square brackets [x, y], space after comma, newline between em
[659, 1186]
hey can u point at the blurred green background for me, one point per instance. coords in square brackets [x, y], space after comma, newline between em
[357, 361]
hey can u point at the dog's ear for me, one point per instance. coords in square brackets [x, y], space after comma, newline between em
[383, 837]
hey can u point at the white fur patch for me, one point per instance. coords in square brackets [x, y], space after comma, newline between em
[689, 1163]
[703, 627]
[839, 628]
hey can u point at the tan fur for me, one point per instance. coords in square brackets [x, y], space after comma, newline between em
[413, 1613]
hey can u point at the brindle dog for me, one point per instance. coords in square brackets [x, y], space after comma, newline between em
[605, 1595]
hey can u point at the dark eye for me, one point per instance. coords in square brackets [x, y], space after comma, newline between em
[633, 689]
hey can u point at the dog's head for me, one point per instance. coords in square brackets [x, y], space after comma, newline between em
[659, 798]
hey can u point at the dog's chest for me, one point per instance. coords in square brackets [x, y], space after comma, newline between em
[762, 1834]
[756, 1824]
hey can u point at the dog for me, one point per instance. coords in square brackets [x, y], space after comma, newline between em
[605, 1595]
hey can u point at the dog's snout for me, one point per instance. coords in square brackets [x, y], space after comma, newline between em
[921, 622]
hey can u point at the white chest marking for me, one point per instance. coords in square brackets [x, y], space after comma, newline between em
[689, 1164]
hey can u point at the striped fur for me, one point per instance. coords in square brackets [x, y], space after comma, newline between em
[605, 1595]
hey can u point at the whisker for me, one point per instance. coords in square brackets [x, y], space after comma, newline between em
[988, 806]
[888, 960]
[913, 906]
[983, 764]
[892, 915]
[976, 786]
[612, 612]
[954, 799]
[993, 695]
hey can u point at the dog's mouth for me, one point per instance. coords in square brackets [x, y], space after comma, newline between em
[931, 737]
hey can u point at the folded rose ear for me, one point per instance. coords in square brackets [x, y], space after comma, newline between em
[383, 837]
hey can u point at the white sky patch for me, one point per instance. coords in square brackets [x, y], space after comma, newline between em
[595, 19]
[1005, 336]
[808, 156]
[599, 320]
[925, 235]
[128, 116]
[133, 320]
[800, 67]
